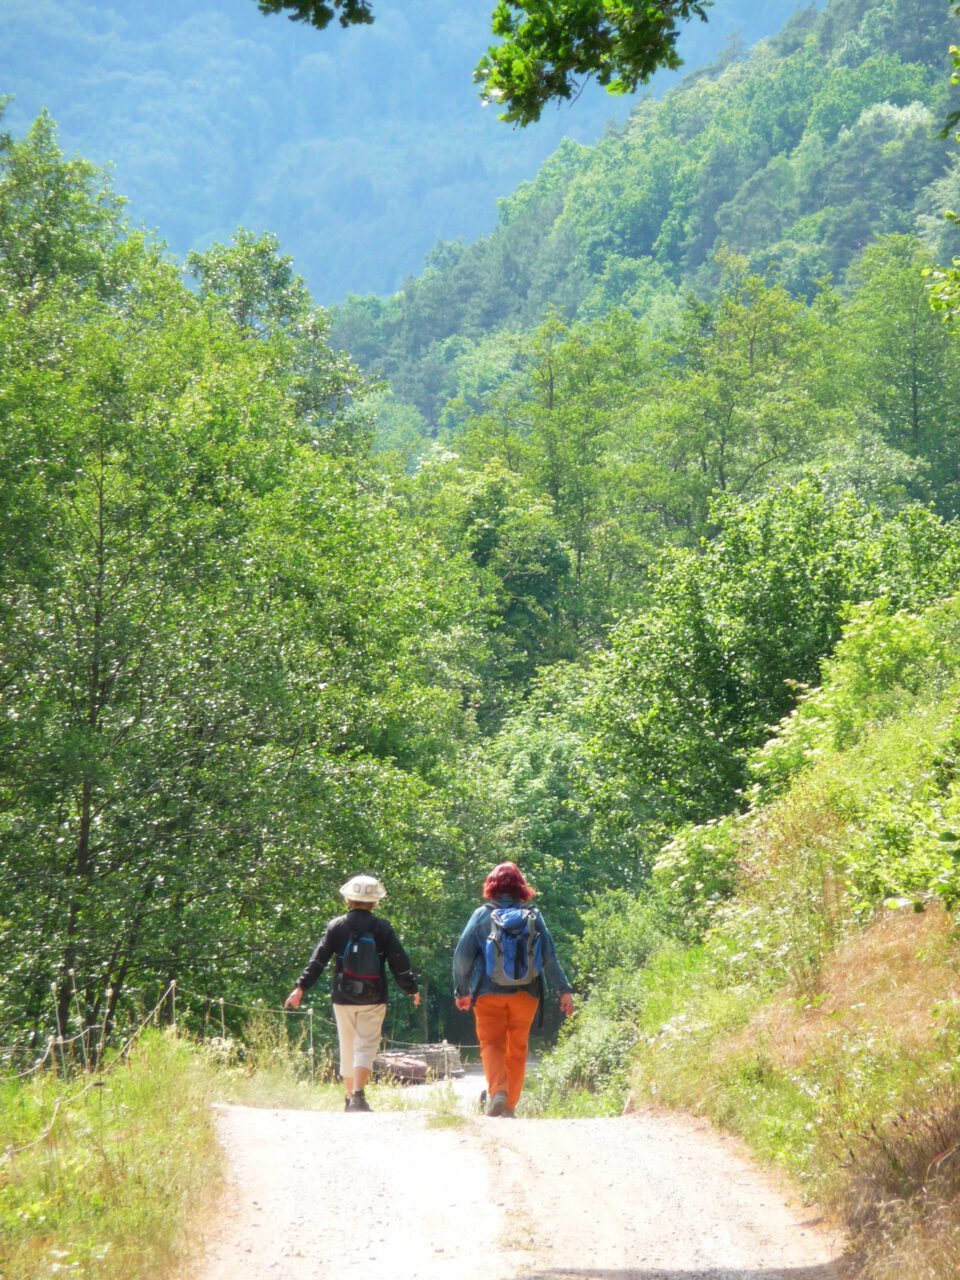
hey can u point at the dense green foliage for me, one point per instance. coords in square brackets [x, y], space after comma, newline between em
[794, 156]
[792, 969]
[230, 667]
[319, 14]
[550, 46]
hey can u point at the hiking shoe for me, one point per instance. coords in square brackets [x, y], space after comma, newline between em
[359, 1102]
[508, 1113]
[498, 1105]
[346, 1102]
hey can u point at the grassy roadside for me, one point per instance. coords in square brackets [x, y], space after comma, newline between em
[113, 1178]
[794, 971]
[852, 1087]
[103, 1180]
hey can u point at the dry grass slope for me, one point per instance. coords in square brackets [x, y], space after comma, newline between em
[892, 991]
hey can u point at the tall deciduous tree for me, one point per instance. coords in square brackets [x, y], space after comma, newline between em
[561, 426]
[510, 537]
[903, 364]
[256, 287]
[739, 404]
[228, 665]
[57, 216]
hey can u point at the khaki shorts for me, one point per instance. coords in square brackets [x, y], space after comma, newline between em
[358, 1029]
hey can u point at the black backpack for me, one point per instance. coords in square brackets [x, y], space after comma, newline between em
[359, 977]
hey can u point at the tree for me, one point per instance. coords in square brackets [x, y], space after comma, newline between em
[584, 381]
[511, 539]
[901, 362]
[953, 119]
[558, 426]
[549, 46]
[58, 217]
[319, 14]
[257, 289]
[226, 659]
[536, 767]
[693, 683]
[741, 407]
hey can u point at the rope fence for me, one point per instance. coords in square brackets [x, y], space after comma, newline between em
[308, 1012]
[63, 1103]
[222, 1004]
[92, 1038]
[40, 1063]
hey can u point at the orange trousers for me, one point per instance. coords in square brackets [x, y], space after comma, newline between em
[503, 1029]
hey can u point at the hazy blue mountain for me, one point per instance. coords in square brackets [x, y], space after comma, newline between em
[795, 155]
[360, 149]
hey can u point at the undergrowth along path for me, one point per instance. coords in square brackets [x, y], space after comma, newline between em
[421, 1196]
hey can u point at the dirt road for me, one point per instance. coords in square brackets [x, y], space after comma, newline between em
[409, 1195]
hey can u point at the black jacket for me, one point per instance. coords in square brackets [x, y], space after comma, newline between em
[333, 943]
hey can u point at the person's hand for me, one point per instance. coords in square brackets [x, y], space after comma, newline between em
[416, 999]
[462, 1002]
[293, 999]
[566, 1004]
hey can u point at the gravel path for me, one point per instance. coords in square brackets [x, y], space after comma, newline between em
[398, 1194]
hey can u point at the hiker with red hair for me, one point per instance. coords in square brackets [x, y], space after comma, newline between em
[498, 967]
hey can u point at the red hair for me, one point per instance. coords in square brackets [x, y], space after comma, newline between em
[506, 881]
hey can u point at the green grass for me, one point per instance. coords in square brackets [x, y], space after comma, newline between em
[112, 1177]
[269, 1067]
[104, 1179]
[442, 1118]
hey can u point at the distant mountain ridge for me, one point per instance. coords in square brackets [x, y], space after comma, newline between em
[359, 149]
[796, 154]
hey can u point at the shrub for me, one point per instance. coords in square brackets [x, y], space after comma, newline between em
[593, 1058]
[884, 662]
[693, 874]
[620, 932]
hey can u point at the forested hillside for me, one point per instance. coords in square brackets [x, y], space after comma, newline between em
[795, 155]
[359, 149]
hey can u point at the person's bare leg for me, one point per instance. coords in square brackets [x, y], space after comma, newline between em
[360, 1076]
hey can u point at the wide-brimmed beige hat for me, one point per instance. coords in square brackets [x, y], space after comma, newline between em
[363, 889]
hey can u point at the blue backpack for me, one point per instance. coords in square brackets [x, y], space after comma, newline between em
[513, 951]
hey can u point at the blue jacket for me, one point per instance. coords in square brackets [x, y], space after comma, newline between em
[469, 973]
